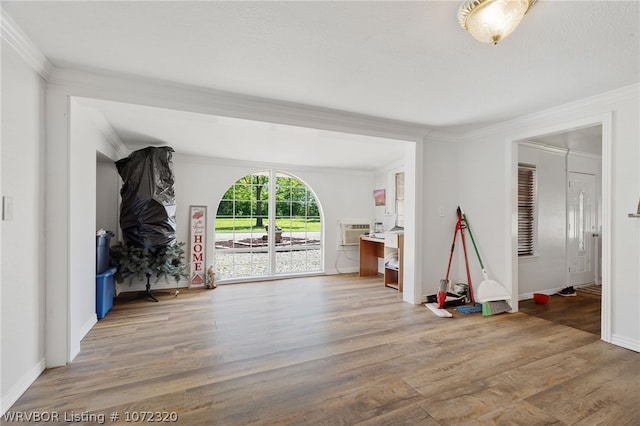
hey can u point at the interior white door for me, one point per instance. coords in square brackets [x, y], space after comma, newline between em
[581, 226]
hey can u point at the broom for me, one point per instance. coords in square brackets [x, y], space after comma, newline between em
[494, 305]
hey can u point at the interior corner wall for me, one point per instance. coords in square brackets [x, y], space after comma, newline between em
[22, 255]
[483, 170]
[107, 197]
[546, 270]
[440, 195]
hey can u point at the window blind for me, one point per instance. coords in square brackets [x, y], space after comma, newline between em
[526, 208]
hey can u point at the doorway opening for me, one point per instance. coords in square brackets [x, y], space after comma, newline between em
[268, 224]
[572, 205]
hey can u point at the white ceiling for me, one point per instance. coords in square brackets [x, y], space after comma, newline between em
[406, 61]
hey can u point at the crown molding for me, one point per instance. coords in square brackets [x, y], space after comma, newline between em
[253, 165]
[22, 44]
[589, 155]
[104, 127]
[617, 95]
[440, 136]
[544, 147]
[396, 166]
[107, 131]
[146, 91]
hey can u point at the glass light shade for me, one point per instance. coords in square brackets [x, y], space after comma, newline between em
[490, 21]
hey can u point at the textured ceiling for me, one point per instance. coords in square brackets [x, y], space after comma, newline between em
[407, 61]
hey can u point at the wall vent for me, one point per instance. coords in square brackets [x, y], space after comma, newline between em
[351, 232]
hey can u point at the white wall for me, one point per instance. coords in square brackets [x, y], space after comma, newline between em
[107, 196]
[625, 232]
[82, 228]
[545, 271]
[22, 289]
[85, 139]
[440, 195]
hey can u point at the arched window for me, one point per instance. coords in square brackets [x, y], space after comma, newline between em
[247, 246]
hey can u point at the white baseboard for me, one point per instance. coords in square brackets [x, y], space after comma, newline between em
[617, 340]
[86, 327]
[23, 384]
[625, 342]
[350, 270]
[549, 291]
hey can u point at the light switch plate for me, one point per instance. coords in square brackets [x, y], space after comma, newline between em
[7, 208]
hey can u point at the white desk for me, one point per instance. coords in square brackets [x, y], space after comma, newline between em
[373, 248]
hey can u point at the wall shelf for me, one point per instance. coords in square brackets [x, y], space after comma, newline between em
[393, 243]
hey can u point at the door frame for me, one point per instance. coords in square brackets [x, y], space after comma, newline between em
[606, 121]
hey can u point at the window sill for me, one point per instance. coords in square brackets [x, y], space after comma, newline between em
[528, 259]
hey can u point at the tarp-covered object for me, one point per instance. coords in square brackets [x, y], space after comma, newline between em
[148, 209]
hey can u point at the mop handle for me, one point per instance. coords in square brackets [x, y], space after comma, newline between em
[464, 216]
[466, 263]
[453, 246]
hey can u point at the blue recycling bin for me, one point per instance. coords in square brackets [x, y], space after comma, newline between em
[105, 289]
[102, 251]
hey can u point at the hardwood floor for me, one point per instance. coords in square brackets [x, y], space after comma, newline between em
[582, 311]
[336, 350]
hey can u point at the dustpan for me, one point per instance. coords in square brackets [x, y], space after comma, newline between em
[490, 290]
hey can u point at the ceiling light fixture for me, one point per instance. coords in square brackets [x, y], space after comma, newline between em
[490, 21]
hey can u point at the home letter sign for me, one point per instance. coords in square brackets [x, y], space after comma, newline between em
[198, 233]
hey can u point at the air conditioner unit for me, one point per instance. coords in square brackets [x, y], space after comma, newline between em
[351, 232]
